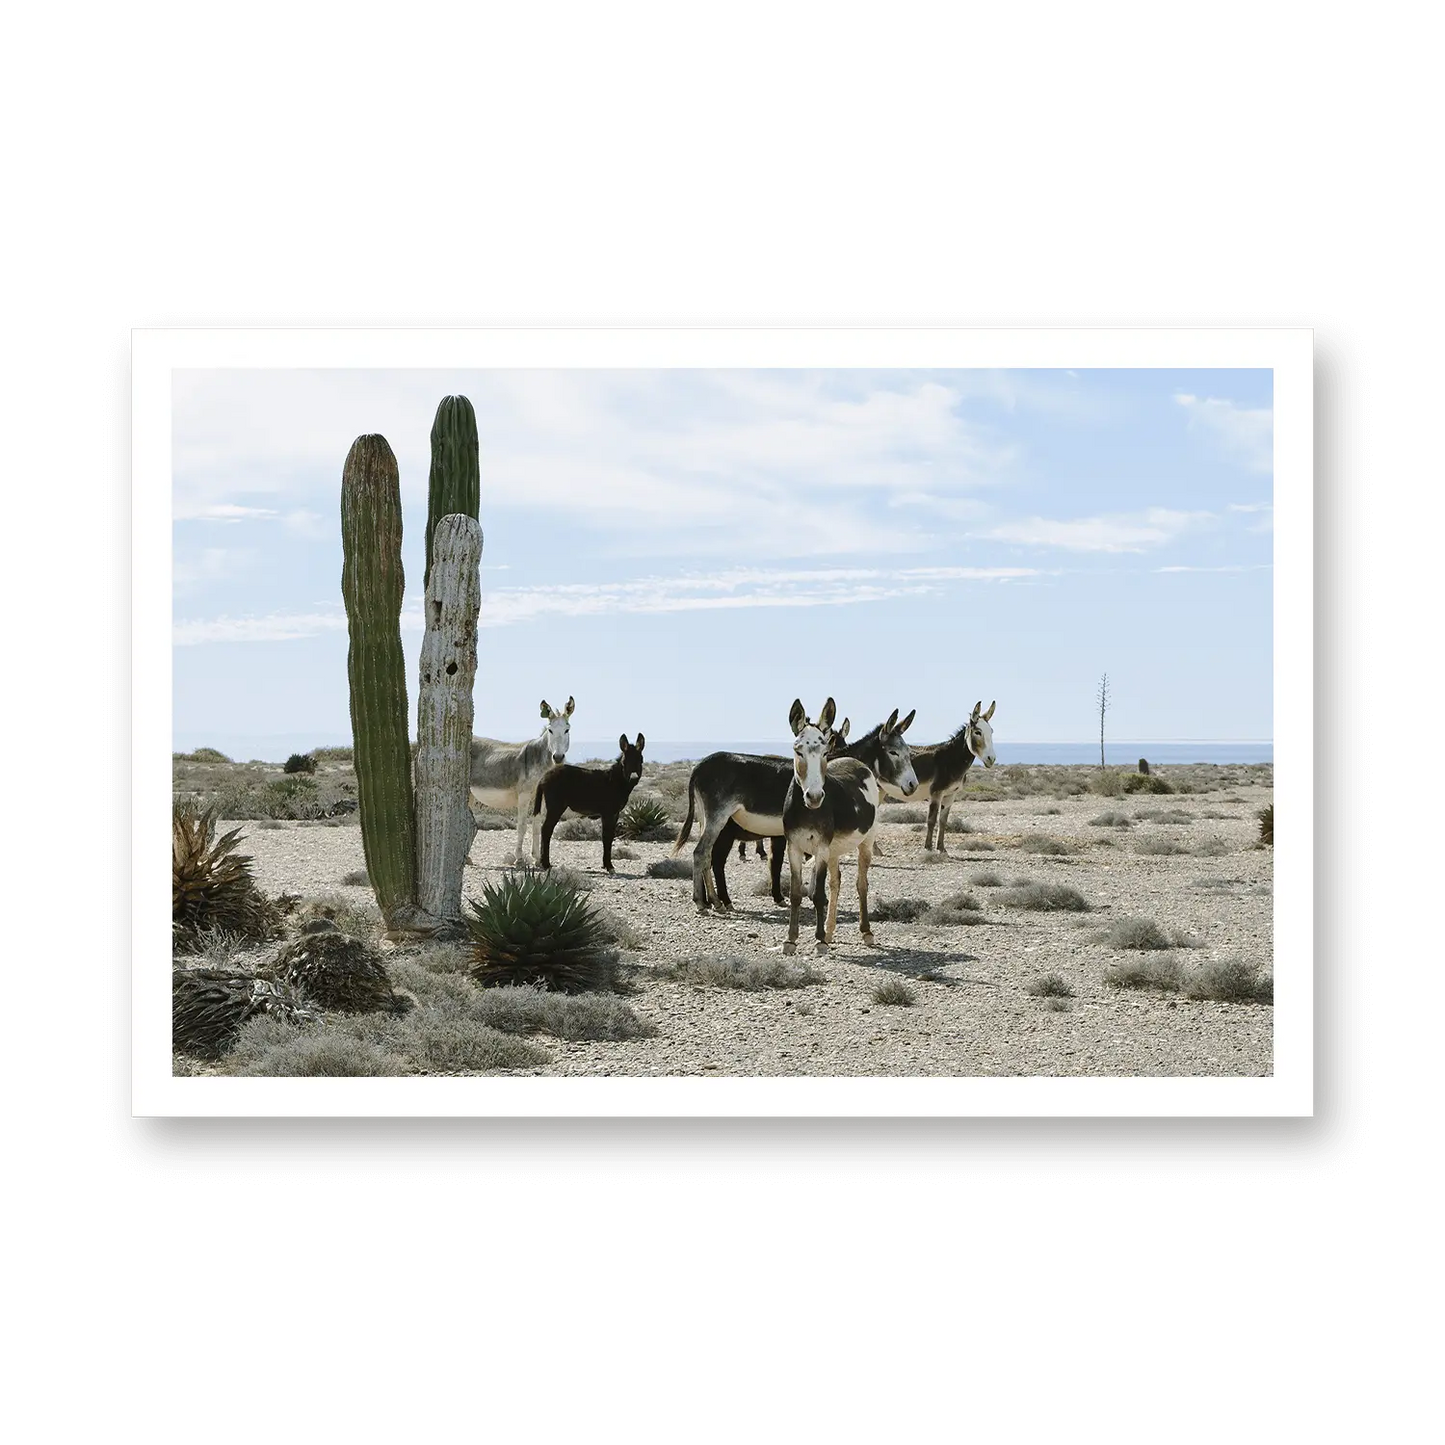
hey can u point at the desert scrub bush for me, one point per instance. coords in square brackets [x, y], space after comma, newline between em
[531, 928]
[957, 910]
[579, 830]
[593, 1017]
[320, 1053]
[212, 888]
[569, 878]
[1144, 934]
[1266, 826]
[209, 1008]
[1106, 784]
[353, 918]
[1045, 898]
[670, 868]
[1145, 783]
[1157, 847]
[1047, 812]
[1211, 848]
[893, 992]
[1164, 973]
[488, 820]
[1163, 815]
[1049, 985]
[201, 755]
[1230, 980]
[959, 825]
[896, 910]
[1111, 819]
[357, 878]
[299, 763]
[731, 970]
[1042, 844]
[644, 819]
[619, 930]
[903, 813]
[434, 1043]
[986, 879]
[621, 850]
[332, 755]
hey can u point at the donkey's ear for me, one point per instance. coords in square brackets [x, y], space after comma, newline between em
[892, 722]
[622, 742]
[904, 725]
[797, 716]
[571, 703]
[842, 732]
[989, 713]
[546, 708]
[978, 707]
[830, 711]
[641, 742]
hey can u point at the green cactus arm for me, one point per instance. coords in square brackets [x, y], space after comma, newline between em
[372, 584]
[455, 485]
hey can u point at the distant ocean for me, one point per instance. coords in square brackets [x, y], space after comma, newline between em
[277, 747]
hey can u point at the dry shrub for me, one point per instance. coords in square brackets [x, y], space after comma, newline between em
[731, 970]
[1163, 972]
[1045, 898]
[957, 910]
[1049, 985]
[1145, 934]
[1230, 980]
[894, 993]
[898, 910]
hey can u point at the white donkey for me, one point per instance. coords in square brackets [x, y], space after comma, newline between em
[505, 775]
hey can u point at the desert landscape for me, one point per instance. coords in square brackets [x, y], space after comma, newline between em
[1082, 922]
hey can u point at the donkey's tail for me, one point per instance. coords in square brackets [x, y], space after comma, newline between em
[687, 825]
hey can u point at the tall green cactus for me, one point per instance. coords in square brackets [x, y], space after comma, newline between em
[455, 486]
[372, 583]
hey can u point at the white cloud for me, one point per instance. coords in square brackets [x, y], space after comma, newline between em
[1245, 433]
[191, 510]
[734, 588]
[1120, 532]
[1232, 567]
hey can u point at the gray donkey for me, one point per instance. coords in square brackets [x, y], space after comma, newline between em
[505, 775]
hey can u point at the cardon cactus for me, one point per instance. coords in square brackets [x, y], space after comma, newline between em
[455, 487]
[372, 583]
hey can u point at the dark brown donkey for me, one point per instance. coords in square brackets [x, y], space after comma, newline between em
[942, 769]
[592, 792]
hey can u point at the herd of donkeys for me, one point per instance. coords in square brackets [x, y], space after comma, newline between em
[821, 803]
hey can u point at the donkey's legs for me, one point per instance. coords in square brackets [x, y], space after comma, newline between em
[549, 823]
[835, 886]
[865, 861]
[795, 896]
[943, 808]
[932, 819]
[779, 848]
[820, 901]
[609, 827]
[718, 877]
[524, 816]
[704, 889]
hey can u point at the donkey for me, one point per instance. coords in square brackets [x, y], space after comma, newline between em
[831, 808]
[749, 791]
[592, 792]
[505, 775]
[733, 833]
[942, 769]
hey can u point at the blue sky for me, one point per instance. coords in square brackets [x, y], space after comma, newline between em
[687, 551]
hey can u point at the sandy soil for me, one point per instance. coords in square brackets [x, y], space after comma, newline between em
[973, 1015]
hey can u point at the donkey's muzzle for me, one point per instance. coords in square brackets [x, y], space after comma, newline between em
[813, 800]
[559, 757]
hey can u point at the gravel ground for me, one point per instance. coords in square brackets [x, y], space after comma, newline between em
[972, 1013]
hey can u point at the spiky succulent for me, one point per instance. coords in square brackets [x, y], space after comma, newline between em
[212, 889]
[210, 1005]
[299, 763]
[1266, 826]
[643, 818]
[338, 972]
[532, 928]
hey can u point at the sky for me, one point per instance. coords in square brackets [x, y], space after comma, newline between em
[686, 551]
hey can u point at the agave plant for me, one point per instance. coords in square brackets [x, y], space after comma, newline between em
[533, 928]
[210, 1005]
[643, 818]
[1266, 826]
[211, 884]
